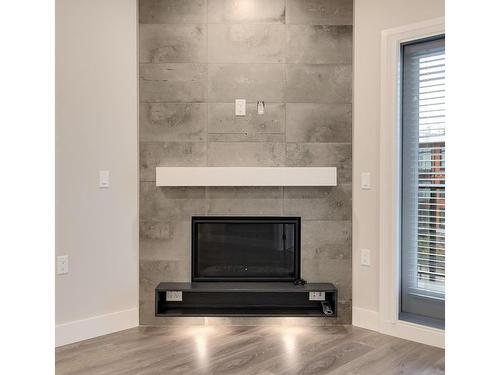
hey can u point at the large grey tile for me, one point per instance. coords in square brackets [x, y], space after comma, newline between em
[344, 312]
[221, 119]
[151, 273]
[320, 12]
[240, 43]
[232, 200]
[319, 44]
[247, 137]
[253, 82]
[336, 271]
[170, 203]
[244, 192]
[318, 203]
[168, 240]
[246, 11]
[243, 154]
[170, 154]
[172, 11]
[172, 82]
[319, 83]
[318, 154]
[309, 122]
[172, 122]
[322, 155]
[326, 240]
[172, 43]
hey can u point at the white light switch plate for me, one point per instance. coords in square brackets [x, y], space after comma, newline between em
[365, 181]
[365, 257]
[62, 267]
[316, 296]
[240, 107]
[103, 179]
[174, 295]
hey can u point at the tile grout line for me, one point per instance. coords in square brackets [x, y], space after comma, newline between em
[285, 103]
[206, 105]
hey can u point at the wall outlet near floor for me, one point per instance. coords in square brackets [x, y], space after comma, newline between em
[174, 295]
[62, 267]
[365, 257]
[316, 296]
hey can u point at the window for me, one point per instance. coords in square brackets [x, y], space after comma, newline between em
[423, 252]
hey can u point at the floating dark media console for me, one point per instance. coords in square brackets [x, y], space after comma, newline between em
[245, 299]
[245, 266]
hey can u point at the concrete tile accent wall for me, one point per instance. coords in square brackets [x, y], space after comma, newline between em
[252, 82]
[253, 11]
[198, 56]
[172, 43]
[172, 122]
[246, 43]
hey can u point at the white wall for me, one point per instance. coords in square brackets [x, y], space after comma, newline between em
[96, 128]
[370, 18]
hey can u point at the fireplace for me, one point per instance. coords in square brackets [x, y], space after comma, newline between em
[245, 248]
[244, 266]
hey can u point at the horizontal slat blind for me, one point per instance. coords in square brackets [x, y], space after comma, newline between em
[431, 173]
[424, 176]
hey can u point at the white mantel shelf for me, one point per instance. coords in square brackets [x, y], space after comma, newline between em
[246, 176]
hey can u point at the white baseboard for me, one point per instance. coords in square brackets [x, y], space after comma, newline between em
[364, 318]
[78, 330]
[414, 332]
[370, 319]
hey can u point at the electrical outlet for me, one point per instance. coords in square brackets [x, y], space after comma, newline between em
[62, 264]
[365, 257]
[174, 295]
[316, 296]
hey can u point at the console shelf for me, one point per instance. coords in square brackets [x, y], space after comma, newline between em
[243, 299]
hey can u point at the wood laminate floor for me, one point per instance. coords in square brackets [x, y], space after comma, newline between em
[242, 350]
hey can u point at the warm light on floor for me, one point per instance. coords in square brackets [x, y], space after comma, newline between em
[290, 336]
[289, 341]
[201, 335]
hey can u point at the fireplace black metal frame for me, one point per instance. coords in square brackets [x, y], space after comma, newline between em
[261, 219]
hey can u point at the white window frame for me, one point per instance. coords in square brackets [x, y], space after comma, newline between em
[390, 181]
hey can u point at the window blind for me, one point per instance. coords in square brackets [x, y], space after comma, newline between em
[423, 177]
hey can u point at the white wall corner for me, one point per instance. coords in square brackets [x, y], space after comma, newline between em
[364, 318]
[78, 330]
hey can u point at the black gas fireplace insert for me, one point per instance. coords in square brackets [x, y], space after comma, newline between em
[245, 248]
